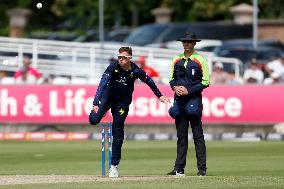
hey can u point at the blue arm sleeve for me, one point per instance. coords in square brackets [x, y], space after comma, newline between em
[103, 83]
[196, 89]
[172, 84]
[149, 81]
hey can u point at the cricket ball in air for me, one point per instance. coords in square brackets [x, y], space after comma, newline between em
[38, 5]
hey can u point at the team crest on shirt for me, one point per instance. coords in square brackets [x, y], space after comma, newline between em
[131, 75]
[122, 80]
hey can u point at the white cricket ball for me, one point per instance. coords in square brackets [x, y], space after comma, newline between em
[38, 5]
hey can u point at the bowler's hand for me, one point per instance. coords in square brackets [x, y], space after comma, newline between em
[164, 99]
[95, 109]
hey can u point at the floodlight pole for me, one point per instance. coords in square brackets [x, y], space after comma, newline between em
[255, 23]
[101, 22]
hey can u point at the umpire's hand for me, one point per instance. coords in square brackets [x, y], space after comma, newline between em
[180, 90]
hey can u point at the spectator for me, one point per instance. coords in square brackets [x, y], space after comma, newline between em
[274, 78]
[3, 74]
[27, 74]
[151, 72]
[219, 76]
[253, 74]
[276, 66]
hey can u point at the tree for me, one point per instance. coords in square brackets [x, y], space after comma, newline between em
[81, 15]
[271, 9]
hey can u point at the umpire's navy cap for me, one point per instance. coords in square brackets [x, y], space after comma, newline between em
[189, 36]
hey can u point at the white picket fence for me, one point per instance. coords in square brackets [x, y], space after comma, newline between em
[85, 60]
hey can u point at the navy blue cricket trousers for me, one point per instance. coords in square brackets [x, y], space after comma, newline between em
[182, 125]
[119, 110]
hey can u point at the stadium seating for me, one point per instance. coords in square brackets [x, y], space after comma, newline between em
[61, 81]
[93, 81]
[8, 81]
[78, 81]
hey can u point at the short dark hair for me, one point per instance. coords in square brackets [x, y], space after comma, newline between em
[125, 49]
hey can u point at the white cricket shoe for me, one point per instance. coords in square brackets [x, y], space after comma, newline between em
[113, 171]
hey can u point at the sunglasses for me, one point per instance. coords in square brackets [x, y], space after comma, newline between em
[123, 57]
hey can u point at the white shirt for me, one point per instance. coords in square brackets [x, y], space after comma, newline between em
[276, 66]
[255, 74]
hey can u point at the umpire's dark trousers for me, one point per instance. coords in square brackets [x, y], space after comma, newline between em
[119, 112]
[182, 124]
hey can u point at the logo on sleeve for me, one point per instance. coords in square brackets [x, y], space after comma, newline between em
[192, 71]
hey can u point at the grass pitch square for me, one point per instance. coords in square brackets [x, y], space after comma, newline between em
[144, 165]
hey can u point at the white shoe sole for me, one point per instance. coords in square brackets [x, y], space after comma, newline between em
[113, 176]
[179, 175]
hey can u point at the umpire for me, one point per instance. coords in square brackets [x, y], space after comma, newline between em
[188, 77]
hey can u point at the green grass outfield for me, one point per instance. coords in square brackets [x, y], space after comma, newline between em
[144, 165]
